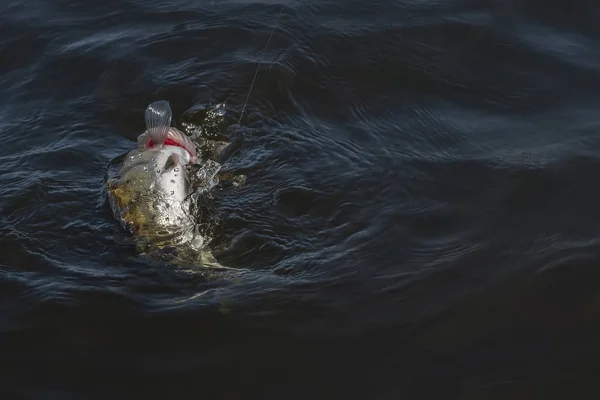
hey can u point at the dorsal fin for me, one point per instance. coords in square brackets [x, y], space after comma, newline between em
[158, 121]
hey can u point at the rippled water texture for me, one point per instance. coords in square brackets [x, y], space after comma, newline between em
[420, 214]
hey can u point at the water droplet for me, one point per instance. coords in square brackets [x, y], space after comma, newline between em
[176, 170]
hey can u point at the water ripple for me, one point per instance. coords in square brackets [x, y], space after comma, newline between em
[402, 159]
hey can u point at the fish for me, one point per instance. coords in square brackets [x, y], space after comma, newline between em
[152, 193]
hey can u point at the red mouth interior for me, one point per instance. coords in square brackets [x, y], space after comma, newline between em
[168, 142]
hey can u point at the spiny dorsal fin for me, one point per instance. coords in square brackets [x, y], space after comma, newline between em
[158, 121]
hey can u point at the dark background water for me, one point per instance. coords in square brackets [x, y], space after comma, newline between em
[420, 215]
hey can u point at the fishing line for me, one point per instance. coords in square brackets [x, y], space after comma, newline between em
[258, 66]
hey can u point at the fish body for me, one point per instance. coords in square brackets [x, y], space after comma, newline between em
[150, 193]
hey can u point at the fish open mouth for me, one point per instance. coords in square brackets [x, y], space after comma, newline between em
[177, 138]
[168, 142]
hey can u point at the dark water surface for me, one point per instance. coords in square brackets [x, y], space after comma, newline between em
[421, 213]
